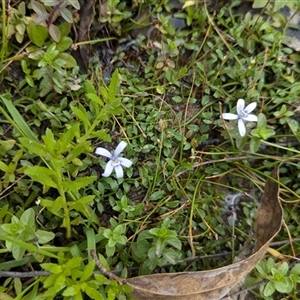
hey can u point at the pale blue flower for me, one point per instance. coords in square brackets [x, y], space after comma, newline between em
[243, 114]
[115, 162]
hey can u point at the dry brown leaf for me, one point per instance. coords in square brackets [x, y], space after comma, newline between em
[215, 284]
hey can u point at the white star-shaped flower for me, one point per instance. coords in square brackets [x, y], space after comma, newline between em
[115, 162]
[243, 114]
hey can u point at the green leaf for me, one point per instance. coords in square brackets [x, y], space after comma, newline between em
[64, 44]
[157, 195]
[171, 256]
[81, 114]
[104, 93]
[269, 289]
[102, 135]
[283, 286]
[283, 268]
[64, 29]
[38, 8]
[5, 146]
[17, 120]
[4, 167]
[41, 175]
[94, 98]
[265, 133]
[72, 291]
[296, 269]
[18, 252]
[259, 3]
[262, 269]
[70, 61]
[262, 121]
[37, 34]
[49, 140]
[254, 144]
[114, 84]
[78, 149]
[66, 14]
[75, 4]
[36, 148]
[74, 186]
[74, 263]
[88, 271]
[89, 88]
[67, 137]
[54, 33]
[53, 268]
[28, 218]
[93, 293]
[110, 250]
[79, 204]
[44, 236]
[175, 242]
[27, 246]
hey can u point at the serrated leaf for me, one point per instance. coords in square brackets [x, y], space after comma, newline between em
[74, 263]
[78, 149]
[94, 98]
[81, 114]
[89, 88]
[36, 148]
[49, 140]
[42, 175]
[104, 93]
[65, 140]
[113, 86]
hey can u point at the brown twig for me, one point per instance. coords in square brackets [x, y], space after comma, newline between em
[104, 271]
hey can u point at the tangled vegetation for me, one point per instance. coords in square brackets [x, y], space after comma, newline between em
[158, 75]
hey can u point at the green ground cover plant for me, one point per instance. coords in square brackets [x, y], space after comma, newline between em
[156, 87]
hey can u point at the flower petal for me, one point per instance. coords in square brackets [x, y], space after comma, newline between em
[251, 118]
[125, 162]
[229, 116]
[249, 108]
[119, 171]
[108, 169]
[120, 148]
[240, 105]
[103, 152]
[242, 127]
